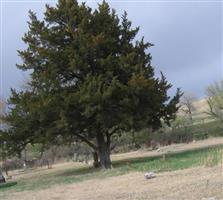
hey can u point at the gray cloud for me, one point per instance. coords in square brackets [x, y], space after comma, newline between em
[187, 38]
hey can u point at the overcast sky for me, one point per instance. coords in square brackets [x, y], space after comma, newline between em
[187, 38]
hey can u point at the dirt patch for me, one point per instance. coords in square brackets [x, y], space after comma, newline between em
[191, 184]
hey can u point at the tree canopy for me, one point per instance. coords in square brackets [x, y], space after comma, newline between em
[90, 79]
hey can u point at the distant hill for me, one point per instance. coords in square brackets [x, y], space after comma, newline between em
[201, 106]
[2, 106]
[199, 114]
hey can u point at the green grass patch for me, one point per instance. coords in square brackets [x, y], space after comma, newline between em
[208, 157]
[6, 185]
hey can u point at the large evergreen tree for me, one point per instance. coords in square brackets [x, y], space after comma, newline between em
[90, 79]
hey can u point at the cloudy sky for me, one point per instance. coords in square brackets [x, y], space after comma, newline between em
[187, 37]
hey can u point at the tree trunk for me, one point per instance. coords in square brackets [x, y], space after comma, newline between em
[96, 162]
[105, 161]
[104, 151]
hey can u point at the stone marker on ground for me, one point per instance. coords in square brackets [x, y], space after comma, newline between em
[149, 175]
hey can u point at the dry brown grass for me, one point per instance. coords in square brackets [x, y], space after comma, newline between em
[190, 184]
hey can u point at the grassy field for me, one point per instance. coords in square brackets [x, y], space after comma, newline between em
[209, 157]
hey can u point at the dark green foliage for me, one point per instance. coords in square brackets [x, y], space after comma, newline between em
[90, 79]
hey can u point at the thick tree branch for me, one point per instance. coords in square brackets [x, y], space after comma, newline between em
[87, 141]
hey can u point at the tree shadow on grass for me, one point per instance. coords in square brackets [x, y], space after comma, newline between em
[79, 171]
[115, 164]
